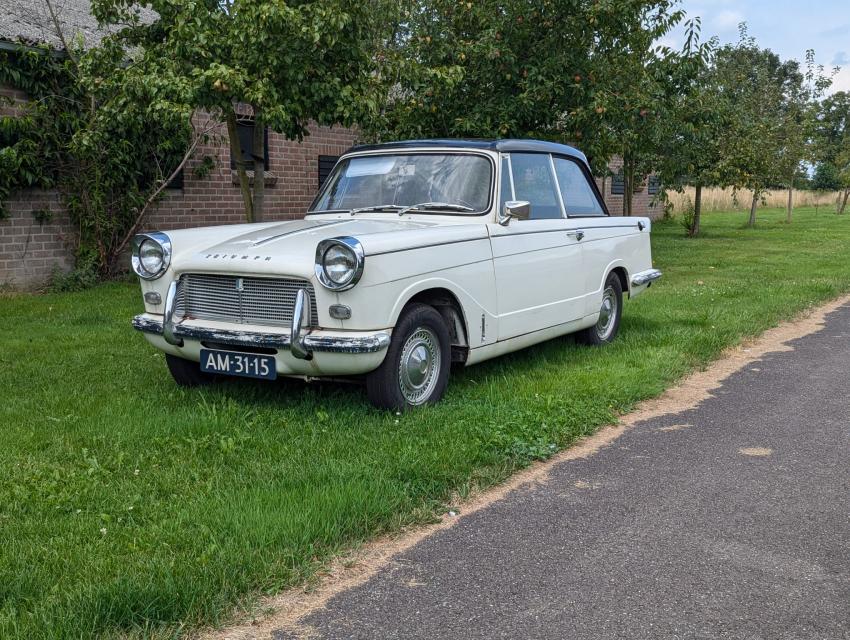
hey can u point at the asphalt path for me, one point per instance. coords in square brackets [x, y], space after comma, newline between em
[728, 520]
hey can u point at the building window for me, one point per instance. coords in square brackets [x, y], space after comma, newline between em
[618, 184]
[245, 130]
[326, 165]
[653, 185]
[176, 181]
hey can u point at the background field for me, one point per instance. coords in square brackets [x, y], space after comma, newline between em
[717, 199]
[131, 507]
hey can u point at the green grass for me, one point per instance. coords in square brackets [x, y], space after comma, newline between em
[131, 507]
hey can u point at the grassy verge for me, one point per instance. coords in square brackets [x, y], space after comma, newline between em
[131, 507]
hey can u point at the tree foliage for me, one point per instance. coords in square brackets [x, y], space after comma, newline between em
[832, 148]
[282, 64]
[553, 69]
[104, 151]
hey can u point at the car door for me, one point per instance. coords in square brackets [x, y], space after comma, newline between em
[538, 262]
[603, 237]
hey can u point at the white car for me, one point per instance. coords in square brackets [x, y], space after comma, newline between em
[414, 256]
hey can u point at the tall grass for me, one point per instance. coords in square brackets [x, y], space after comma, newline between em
[718, 199]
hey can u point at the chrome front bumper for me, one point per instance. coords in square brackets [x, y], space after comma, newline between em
[645, 277]
[321, 342]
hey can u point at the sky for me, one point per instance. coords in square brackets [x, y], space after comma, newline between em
[786, 27]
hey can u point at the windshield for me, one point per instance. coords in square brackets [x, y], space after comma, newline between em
[421, 182]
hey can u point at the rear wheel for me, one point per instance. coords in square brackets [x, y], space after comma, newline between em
[187, 373]
[610, 312]
[415, 370]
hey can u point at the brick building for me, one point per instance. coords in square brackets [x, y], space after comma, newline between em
[31, 247]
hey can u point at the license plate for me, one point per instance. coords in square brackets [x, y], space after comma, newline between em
[232, 363]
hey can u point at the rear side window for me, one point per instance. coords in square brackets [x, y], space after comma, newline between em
[534, 182]
[579, 197]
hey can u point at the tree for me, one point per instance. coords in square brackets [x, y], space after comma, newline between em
[832, 135]
[691, 134]
[557, 69]
[755, 83]
[279, 64]
[797, 114]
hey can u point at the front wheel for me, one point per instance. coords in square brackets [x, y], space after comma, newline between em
[415, 370]
[610, 312]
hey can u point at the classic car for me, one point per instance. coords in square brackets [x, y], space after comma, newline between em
[414, 256]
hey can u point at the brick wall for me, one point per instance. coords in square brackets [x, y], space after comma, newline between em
[291, 181]
[12, 101]
[641, 201]
[31, 251]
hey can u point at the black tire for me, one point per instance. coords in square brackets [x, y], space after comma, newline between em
[420, 331]
[608, 326]
[187, 373]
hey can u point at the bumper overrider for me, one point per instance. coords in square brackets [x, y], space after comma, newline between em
[300, 341]
[645, 277]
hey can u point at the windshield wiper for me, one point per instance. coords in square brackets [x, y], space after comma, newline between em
[428, 206]
[377, 207]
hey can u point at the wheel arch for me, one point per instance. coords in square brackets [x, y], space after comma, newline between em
[618, 267]
[447, 301]
[621, 272]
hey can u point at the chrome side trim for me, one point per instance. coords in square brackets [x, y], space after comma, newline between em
[645, 277]
[168, 316]
[365, 343]
[299, 318]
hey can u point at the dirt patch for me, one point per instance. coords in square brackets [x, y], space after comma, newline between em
[758, 452]
[675, 427]
[286, 610]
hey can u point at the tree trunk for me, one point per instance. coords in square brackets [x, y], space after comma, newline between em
[259, 165]
[236, 150]
[790, 208]
[694, 230]
[844, 201]
[752, 221]
[628, 185]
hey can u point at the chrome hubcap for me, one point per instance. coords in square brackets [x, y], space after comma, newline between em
[607, 314]
[419, 366]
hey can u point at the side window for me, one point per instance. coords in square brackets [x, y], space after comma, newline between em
[534, 182]
[579, 197]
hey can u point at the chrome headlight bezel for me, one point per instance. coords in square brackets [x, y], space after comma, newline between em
[348, 244]
[164, 243]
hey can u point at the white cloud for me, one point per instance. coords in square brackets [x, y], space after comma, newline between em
[841, 81]
[727, 19]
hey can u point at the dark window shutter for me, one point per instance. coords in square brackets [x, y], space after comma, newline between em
[245, 131]
[326, 165]
[653, 185]
[618, 184]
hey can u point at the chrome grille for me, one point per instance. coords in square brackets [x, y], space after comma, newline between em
[243, 300]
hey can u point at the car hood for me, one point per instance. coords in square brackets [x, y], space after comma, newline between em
[290, 247]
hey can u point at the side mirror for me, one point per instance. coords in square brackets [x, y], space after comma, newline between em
[519, 209]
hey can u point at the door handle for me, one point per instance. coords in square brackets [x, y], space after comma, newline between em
[578, 233]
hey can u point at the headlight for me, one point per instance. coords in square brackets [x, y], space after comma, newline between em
[339, 263]
[151, 254]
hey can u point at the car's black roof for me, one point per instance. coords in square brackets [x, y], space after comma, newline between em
[508, 144]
